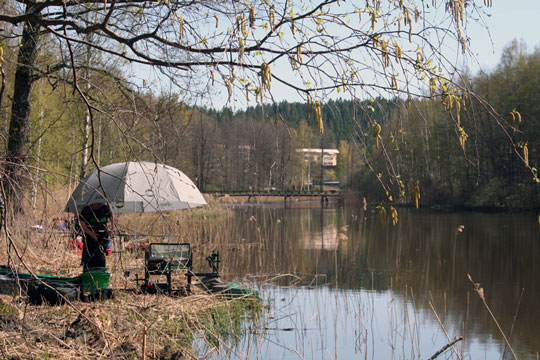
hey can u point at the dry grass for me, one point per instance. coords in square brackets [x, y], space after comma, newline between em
[127, 327]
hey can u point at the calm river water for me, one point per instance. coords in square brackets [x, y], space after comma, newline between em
[338, 285]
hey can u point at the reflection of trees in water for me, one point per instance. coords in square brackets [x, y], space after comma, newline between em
[499, 251]
[422, 257]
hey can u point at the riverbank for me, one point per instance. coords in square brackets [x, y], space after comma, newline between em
[357, 199]
[126, 327]
[130, 325]
[270, 199]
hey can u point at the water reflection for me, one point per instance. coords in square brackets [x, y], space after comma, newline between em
[423, 259]
[327, 239]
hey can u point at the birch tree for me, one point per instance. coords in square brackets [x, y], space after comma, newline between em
[316, 49]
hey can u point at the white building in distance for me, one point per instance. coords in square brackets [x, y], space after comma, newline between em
[329, 156]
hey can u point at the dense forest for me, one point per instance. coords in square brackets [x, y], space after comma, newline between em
[459, 156]
[464, 156]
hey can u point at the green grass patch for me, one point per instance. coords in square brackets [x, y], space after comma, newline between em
[7, 309]
[225, 322]
[207, 214]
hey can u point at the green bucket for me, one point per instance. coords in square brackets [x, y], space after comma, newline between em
[95, 278]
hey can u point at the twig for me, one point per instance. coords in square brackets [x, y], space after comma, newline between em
[144, 343]
[442, 326]
[63, 343]
[2, 84]
[515, 318]
[480, 292]
[297, 353]
[445, 347]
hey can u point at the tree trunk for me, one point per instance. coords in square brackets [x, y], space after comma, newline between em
[19, 126]
[87, 119]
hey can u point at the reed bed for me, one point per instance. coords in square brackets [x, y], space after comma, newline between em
[130, 325]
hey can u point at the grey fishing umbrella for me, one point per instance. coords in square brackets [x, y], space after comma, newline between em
[135, 187]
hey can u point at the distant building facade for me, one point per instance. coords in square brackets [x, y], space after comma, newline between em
[313, 155]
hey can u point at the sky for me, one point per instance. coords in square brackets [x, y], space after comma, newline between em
[507, 20]
[510, 19]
